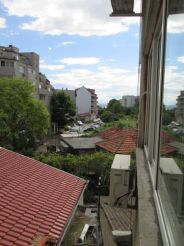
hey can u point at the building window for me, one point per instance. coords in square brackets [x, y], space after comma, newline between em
[164, 121]
[153, 102]
[29, 70]
[171, 162]
[2, 63]
[21, 69]
[42, 97]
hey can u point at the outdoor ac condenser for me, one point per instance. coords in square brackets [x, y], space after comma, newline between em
[119, 178]
[173, 182]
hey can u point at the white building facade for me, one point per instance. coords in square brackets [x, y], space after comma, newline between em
[86, 103]
[128, 101]
[180, 108]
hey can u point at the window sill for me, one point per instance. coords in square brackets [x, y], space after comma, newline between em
[148, 231]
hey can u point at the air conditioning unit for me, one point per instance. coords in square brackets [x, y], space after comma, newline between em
[119, 178]
[172, 177]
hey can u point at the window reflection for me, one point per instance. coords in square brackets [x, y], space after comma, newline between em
[171, 169]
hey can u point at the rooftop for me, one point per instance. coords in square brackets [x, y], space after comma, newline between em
[122, 141]
[118, 140]
[82, 143]
[118, 217]
[36, 200]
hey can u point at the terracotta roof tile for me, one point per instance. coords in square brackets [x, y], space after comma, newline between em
[35, 199]
[119, 140]
[167, 149]
[122, 141]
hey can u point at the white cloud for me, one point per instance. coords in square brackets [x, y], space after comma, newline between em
[180, 59]
[71, 17]
[174, 79]
[67, 43]
[50, 66]
[80, 60]
[176, 23]
[108, 82]
[49, 48]
[2, 22]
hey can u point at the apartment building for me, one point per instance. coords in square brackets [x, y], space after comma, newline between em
[128, 101]
[180, 108]
[159, 216]
[85, 100]
[25, 65]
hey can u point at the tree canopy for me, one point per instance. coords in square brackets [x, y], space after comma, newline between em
[62, 109]
[115, 106]
[23, 119]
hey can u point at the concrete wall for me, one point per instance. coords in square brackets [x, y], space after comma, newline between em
[83, 101]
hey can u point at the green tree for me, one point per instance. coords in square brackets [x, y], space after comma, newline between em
[107, 116]
[62, 109]
[168, 115]
[115, 106]
[23, 119]
[90, 166]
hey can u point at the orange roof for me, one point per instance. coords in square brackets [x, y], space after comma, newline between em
[121, 141]
[167, 149]
[36, 200]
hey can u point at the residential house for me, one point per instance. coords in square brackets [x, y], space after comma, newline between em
[25, 65]
[159, 217]
[37, 201]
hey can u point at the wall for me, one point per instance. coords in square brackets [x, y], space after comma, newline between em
[83, 101]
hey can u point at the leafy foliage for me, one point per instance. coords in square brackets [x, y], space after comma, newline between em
[23, 119]
[62, 109]
[107, 116]
[88, 166]
[168, 116]
[115, 106]
[116, 112]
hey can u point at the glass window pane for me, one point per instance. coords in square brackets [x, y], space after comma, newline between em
[171, 166]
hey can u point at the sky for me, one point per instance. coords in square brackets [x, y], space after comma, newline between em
[79, 44]
[77, 41]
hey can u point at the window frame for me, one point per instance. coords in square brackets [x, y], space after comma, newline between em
[151, 119]
[153, 101]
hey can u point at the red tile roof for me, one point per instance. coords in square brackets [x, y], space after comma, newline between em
[166, 138]
[121, 141]
[167, 149]
[36, 200]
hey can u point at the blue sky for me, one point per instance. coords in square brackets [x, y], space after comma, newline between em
[79, 44]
